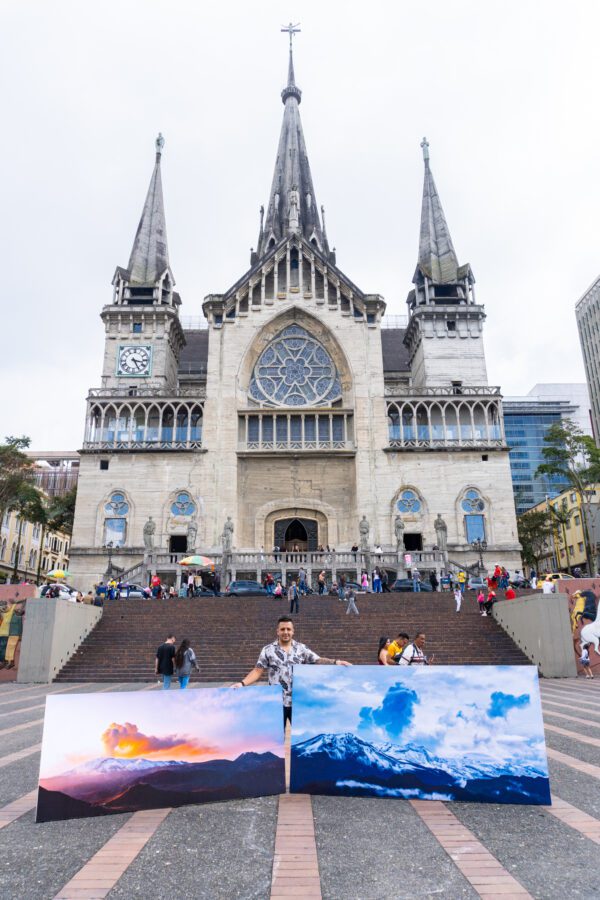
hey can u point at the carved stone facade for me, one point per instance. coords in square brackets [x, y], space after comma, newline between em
[294, 410]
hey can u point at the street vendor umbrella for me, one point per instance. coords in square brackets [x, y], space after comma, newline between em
[200, 562]
[58, 573]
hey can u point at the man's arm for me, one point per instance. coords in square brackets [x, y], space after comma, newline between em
[252, 677]
[324, 661]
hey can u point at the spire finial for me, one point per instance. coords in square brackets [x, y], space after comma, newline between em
[291, 30]
[425, 149]
[159, 143]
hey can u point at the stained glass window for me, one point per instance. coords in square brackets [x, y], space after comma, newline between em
[117, 505]
[472, 502]
[183, 505]
[409, 502]
[295, 370]
[115, 531]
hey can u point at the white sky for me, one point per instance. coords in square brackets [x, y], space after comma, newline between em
[506, 93]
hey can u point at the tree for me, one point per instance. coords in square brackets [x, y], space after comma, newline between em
[15, 470]
[534, 529]
[39, 514]
[561, 516]
[62, 511]
[573, 458]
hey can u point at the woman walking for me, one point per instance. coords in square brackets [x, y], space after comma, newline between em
[185, 661]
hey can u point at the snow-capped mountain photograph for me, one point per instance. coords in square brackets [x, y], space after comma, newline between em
[428, 733]
[122, 752]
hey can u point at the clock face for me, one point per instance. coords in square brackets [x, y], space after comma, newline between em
[134, 359]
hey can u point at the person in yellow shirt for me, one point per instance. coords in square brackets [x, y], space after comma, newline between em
[397, 646]
[462, 580]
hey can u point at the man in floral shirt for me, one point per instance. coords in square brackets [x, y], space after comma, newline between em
[278, 660]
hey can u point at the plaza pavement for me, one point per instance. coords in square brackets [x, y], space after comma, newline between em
[301, 847]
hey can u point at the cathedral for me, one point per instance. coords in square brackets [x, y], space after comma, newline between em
[295, 418]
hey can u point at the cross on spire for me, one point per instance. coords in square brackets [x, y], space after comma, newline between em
[291, 30]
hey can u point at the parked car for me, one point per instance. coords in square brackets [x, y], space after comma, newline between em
[553, 576]
[246, 589]
[476, 583]
[405, 585]
[65, 592]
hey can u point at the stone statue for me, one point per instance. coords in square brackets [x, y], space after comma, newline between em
[149, 529]
[227, 535]
[441, 533]
[294, 212]
[192, 532]
[364, 528]
[399, 532]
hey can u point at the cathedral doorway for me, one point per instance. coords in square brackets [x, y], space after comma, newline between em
[300, 533]
[178, 543]
[413, 541]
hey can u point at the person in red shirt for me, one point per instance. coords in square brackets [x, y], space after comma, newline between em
[510, 594]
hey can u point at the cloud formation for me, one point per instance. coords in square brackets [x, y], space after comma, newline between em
[501, 704]
[128, 742]
[395, 713]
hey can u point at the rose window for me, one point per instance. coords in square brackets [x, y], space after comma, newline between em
[409, 502]
[295, 370]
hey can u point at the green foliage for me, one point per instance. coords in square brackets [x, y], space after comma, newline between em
[534, 528]
[15, 470]
[62, 511]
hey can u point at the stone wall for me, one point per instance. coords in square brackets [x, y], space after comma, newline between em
[52, 632]
[539, 624]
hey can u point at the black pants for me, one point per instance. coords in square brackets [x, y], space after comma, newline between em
[287, 715]
[294, 602]
[384, 588]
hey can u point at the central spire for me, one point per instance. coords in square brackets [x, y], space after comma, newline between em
[149, 254]
[292, 207]
[437, 257]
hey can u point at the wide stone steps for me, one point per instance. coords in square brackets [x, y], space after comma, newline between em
[227, 633]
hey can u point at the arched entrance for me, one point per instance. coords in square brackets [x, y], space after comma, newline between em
[296, 532]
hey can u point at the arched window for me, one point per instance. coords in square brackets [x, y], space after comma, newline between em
[295, 370]
[473, 507]
[409, 502]
[182, 424]
[183, 505]
[196, 424]
[13, 553]
[115, 523]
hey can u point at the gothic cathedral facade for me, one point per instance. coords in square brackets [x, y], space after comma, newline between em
[294, 410]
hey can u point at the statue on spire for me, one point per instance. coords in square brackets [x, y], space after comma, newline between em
[425, 149]
[159, 143]
[291, 30]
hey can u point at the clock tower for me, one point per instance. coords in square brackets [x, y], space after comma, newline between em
[143, 332]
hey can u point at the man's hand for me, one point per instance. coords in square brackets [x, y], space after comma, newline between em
[342, 662]
[236, 685]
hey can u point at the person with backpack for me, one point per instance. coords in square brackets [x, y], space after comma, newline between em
[413, 654]
[293, 597]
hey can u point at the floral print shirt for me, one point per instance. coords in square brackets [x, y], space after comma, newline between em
[279, 665]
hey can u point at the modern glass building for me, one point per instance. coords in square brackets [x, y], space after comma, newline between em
[526, 423]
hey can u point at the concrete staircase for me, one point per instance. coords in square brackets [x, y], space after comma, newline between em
[227, 633]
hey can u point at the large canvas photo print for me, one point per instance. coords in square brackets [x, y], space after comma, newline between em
[470, 733]
[122, 752]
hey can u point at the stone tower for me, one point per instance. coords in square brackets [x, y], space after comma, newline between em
[143, 332]
[444, 334]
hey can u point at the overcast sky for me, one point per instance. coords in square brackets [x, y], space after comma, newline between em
[506, 93]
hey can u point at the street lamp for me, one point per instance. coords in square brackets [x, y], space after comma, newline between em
[109, 549]
[479, 547]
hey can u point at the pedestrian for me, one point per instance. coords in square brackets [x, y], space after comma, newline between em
[396, 647]
[382, 651]
[322, 581]
[385, 582]
[270, 583]
[458, 598]
[413, 654]
[510, 593]
[185, 661]
[481, 601]
[548, 585]
[489, 602]
[376, 581]
[433, 581]
[302, 581]
[364, 581]
[462, 580]
[278, 660]
[163, 665]
[293, 597]
[351, 598]
[217, 584]
[416, 580]
[278, 592]
[584, 659]
[341, 587]
[172, 592]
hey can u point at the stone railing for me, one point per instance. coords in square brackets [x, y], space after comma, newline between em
[305, 431]
[434, 421]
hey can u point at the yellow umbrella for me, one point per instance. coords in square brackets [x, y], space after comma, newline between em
[199, 562]
[58, 573]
